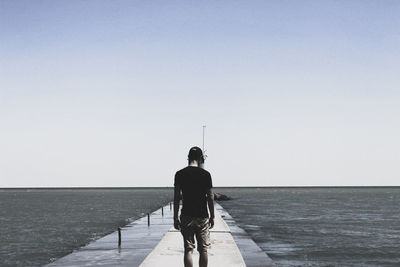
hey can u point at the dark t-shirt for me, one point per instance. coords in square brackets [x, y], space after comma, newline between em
[194, 183]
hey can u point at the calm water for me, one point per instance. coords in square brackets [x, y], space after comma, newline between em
[322, 226]
[38, 226]
[295, 226]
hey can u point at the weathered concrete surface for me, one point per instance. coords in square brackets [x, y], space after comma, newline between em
[160, 245]
[223, 252]
[252, 254]
[138, 240]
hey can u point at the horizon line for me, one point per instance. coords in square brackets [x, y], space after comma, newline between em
[170, 187]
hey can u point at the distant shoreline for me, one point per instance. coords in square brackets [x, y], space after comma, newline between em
[170, 187]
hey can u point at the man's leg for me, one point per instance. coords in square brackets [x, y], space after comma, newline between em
[187, 258]
[203, 241]
[203, 261]
[188, 240]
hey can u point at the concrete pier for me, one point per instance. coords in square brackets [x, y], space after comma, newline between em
[161, 245]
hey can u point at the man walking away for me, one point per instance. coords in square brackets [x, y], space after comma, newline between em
[194, 183]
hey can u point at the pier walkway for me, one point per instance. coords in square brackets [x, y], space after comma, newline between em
[161, 245]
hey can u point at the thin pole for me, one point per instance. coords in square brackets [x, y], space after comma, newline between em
[119, 236]
[204, 132]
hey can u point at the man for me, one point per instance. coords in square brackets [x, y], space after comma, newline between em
[195, 185]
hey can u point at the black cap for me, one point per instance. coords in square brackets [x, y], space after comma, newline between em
[195, 153]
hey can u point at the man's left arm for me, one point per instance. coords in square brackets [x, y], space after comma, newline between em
[177, 197]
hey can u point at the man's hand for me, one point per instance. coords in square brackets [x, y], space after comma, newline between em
[211, 222]
[177, 224]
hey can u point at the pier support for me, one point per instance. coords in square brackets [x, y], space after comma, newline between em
[119, 236]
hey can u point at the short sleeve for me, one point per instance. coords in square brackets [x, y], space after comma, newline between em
[177, 180]
[209, 181]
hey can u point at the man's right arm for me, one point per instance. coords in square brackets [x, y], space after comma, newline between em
[210, 202]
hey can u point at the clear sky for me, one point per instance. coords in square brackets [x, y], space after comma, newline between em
[114, 93]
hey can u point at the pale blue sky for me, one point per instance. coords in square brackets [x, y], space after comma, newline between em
[114, 93]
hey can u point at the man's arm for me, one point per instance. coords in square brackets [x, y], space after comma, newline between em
[210, 202]
[177, 197]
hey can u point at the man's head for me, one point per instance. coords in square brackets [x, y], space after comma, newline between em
[195, 154]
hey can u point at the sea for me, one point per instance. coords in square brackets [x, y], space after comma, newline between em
[327, 226]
